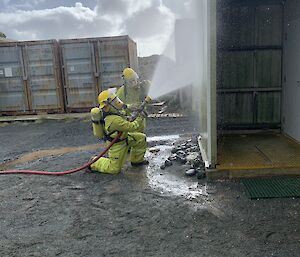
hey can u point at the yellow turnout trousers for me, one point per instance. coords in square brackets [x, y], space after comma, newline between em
[117, 154]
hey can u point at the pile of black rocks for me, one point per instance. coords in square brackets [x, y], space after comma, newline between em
[188, 155]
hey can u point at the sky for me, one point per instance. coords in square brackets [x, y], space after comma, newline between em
[150, 23]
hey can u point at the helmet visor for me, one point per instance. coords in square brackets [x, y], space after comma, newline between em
[117, 103]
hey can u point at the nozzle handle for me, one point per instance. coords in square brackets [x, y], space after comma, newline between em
[148, 99]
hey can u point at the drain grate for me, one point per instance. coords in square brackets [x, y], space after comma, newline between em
[272, 187]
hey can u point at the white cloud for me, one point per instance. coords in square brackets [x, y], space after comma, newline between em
[138, 6]
[123, 7]
[13, 5]
[148, 22]
[151, 27]
[59, 22]
[111, 7]
[180, 8]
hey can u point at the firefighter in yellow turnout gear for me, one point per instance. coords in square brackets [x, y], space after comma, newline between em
[114, 123]
[133, 92]
[130, 93]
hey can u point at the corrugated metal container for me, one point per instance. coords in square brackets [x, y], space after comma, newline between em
[237, 25]
[268, 68]
[268, 23]
[250, 71]
[250, 44]
[268, 107]
[43, 76]
[13, 94]
[79, 74]
[237, 69]
[235, 108]
[93, 64]
[115, 54]
[30, 78]
[291, 81]
[204, 93]
[251, 23]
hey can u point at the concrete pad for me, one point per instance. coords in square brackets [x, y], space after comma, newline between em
[252, 155]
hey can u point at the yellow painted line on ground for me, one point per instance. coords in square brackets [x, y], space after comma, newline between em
[50, 152]
[256, 167]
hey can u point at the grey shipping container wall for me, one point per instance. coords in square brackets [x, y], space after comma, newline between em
[250, 62]
[204, 90]
[30, 77]
[47, 76]
[291, 82]
[93, 64]
[13, 97]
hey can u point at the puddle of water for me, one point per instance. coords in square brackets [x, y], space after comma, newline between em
[172, 180]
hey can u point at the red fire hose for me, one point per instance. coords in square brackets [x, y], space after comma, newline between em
[60, 173]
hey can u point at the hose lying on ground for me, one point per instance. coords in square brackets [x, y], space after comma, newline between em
[60, 173]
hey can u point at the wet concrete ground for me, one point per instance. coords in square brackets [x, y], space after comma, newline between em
[140, 212]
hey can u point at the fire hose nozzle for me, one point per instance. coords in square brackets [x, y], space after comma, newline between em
[140, 109]
[148, 99]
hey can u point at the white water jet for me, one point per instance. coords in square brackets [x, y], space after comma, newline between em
[186, 41]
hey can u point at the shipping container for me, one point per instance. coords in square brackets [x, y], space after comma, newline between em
[291, 71]
[93, 64]
[44, 76]
[204, 90]
[250, 79]
[30, 79]
[251, 62]
[13, 93]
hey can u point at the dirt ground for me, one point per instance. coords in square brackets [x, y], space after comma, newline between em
[140, 212]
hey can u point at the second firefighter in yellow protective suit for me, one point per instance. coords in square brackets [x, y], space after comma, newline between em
[133, 92]
[114, 123]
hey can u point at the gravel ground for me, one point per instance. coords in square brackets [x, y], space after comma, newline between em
[140, 212]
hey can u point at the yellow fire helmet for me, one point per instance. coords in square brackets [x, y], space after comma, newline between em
[104, 97]
[129, 74]
[108, 96]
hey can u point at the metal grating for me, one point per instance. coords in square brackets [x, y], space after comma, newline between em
[272, 187]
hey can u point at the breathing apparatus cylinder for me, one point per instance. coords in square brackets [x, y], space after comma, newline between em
[98, 126]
